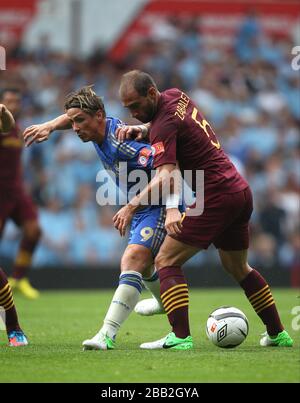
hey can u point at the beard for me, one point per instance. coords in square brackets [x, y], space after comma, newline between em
[149, 115]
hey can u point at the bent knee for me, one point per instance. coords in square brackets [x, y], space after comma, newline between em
[164, 259]
[239, 272]
[136, 258]
[32, 231]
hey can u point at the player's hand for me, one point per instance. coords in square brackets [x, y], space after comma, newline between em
[123, 218]
[2, 110]
[7, 121]
[129, 133]
[173, 223]
[37, 133]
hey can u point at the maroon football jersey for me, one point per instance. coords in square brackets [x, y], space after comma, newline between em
[11, 145]
[179, 132]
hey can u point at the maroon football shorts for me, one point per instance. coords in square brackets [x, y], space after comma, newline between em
[16, 205]
[224, 223]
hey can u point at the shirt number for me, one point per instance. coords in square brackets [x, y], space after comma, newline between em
[146, 233]
[204, 126]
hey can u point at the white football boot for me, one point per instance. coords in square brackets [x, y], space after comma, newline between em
[149, 307]
[283, 339]
[153, 345]
[99, 342]
[169, 342]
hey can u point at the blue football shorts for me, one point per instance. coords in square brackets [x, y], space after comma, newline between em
[148, 228]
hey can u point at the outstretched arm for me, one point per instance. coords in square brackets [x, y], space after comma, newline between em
[39, 133]
[7, 121]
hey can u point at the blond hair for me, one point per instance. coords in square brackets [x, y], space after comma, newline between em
[85, 99]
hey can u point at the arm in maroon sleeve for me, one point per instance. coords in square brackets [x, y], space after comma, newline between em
[163, 137]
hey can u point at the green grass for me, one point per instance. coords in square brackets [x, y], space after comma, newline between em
[58, 322]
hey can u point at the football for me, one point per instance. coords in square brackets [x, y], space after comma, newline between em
[227, 327]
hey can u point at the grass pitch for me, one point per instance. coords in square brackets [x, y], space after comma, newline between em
[58, 322]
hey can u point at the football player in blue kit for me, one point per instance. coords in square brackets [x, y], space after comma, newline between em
[85, 114]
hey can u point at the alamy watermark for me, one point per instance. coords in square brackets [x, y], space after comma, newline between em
[2, 58]
[296, 60]
[132, 182]
[296, 317]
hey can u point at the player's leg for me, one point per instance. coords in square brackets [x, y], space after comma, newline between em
[174, 293]
[136, 260]
[15, 334]
[197, 233]
[146, 235]
[259, 295]
[233, 244]
[25, 216]
[149, 232]
[151, 306]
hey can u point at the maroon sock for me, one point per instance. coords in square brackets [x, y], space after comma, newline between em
[175, 299]
[259, 295]
[24, 257]
[7, 302]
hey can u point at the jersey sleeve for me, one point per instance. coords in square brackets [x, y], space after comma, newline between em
[138, 155]
[145, 158]
[127, 150]
[163, 141]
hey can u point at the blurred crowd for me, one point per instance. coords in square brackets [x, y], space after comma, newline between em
[249, 94]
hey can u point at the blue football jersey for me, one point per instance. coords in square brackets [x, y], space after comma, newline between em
[147, 226]
[113, 153]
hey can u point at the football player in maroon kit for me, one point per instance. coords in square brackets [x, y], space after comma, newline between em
[9, 316]
[15, 203]
[178, 131]
[8, 313]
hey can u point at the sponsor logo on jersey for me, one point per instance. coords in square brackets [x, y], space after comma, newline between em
[144, 156]
[158, 148]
